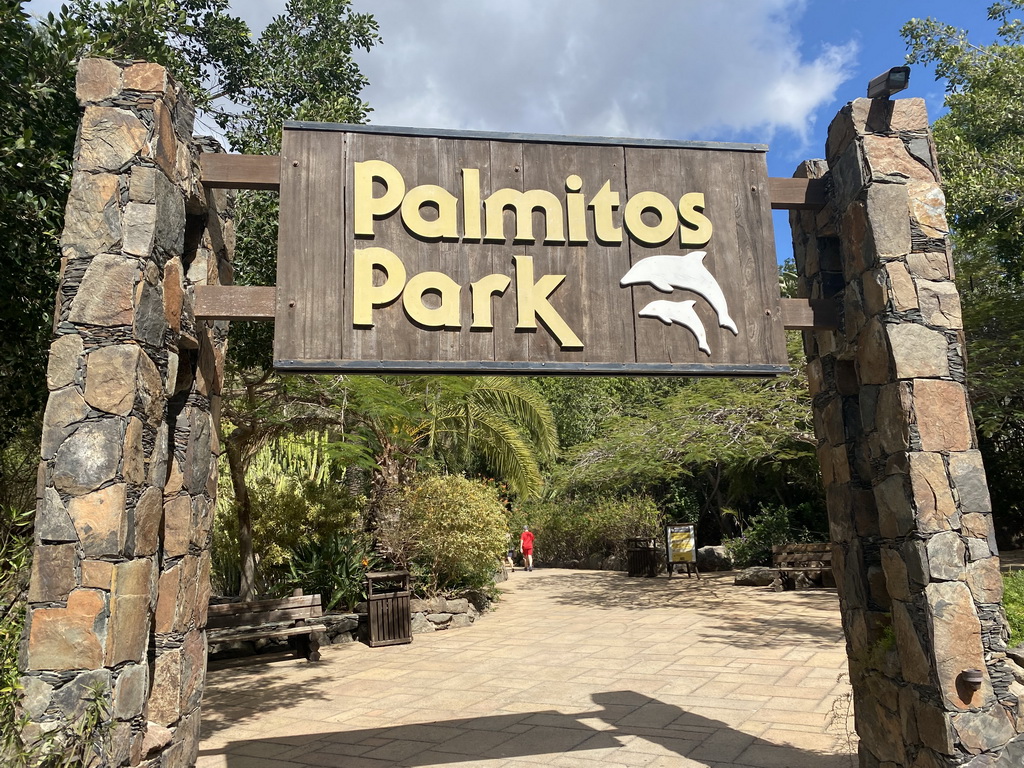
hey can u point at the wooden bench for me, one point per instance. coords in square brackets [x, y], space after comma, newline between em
[293, 617]
[802, 565]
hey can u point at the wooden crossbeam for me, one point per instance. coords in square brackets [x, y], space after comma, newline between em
[222, 171]
[243, 302]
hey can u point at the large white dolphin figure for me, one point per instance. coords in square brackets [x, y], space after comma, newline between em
[681, 313]
[687, 273]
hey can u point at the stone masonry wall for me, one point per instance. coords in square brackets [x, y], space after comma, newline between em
[914, 549]
[127, 478]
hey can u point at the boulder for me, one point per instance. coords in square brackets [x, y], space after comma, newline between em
[758, 576]
[714, 559]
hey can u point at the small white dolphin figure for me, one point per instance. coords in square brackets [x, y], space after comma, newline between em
[681, 313]
[687, 273]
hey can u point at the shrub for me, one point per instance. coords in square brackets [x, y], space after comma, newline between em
[450, 532]
[1013, 603]
[335, 567]
[576, 530]
[771, 527]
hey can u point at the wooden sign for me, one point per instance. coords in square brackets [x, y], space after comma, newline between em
[408, 250]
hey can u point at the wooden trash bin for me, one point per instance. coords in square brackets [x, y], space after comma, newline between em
[641, 557]
[389, 618]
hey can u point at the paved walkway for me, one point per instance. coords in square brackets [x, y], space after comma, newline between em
[582, 669]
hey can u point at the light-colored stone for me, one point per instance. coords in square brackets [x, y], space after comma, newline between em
[65, 356]
[165, 695]
[110, 139]
[157, 737]
[53, 573]
[71, 637]
[105, 296]
[947, 557]
[888, 208]
[99, 518]
[902, 291]
[918, 351]
[940, 304]
[92, 223]
[65, 410]
[942, 419]
[928, 208]
[89, 457]
[97, 80]
[956, 635]
[97, 574]
[151, 78]
[889, 160]
[110, 378]
[984, 580]
[933, 501]
[139, 228]
[929, 266]
[177, 525]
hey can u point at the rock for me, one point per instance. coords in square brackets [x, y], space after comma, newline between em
[165, 694]
[106, 294]
[110, 378]
[715, 558]
[53, 523]
[888, 208]
[758, 576]
[947, 556]
[177, 525]
[101, 521]
[130, 691]
[940, 304]
[109, 139]
[93, 222]
[460, 620]
[53, 573]
[65, 410]
[968, 475]
[460, 605]
[62, 366]
[918, 351]
[71, 637]
[439, 618]
[157, 737]
[420, 624]
[936, 510]
[928, 208]
[130, 600]
[96, 80]
[956, 637]
[942, 419]
[151, 78]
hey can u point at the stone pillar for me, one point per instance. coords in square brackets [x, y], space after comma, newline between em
[128, 476]
[911, 525]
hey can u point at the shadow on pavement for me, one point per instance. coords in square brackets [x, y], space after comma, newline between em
[624, 719]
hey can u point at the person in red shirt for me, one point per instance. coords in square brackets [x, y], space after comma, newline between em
[526, 547]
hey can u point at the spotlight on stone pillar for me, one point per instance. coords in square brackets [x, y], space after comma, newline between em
[888, 83]
[972, 678]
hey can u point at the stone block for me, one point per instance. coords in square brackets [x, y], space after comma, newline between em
[928, 208]
[984, 580]
[147, 516]
[875, 290]
[146, 77]
[130, 691]
[35, 696]
[983, 731]
[110, 139]
[918, 352]
[151, 391]
[910, 115]
[177, 525]
[895, 516]
[968, 475]
[92, 223]
[977, 524]
[142, 184]
[158, 458]
[167, 599]
[849, 176]
[913, 655]
[72, 699]
[947, 557]
[106, 294]
[873, 355]
[888, 208]
[97, 574]
[65, 411]
[64, 360]
[889, 161]
[929, 266]
[940, 304]
[933, 727]
[174, 295]
[97, 80]
[150, 321]
[198, 454]
[139, 228]
[53, 573]
[902, 290]
[857, 254]
[110, 378]
[896, 580]
[165, 695]
[100, 520]
[892, 417]
[193, 668]
[134, 465]
[53, 523]
[915, 557]
[187, 610]
[164, 148]
[933, 499]
[940, 408]
[957, 646]
[69, 638]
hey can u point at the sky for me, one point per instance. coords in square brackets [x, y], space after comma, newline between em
[769, 72]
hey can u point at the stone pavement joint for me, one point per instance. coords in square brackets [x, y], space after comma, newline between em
[572, 669]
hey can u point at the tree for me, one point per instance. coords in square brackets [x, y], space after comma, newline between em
[980, 142]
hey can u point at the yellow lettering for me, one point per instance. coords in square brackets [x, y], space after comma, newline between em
[632, 217]
[696, 228]
[524, 204]
[603, 203]
[482, 291]
[366, 295]
[576, 210]
[532, 303]
[471, 203]
[446, 315]
[366, 206]
[446, 223]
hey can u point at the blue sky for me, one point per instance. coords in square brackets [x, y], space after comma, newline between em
[760, 71]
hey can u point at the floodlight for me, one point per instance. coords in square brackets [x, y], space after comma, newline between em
[888, 83]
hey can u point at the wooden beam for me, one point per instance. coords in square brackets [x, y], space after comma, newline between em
[235, 302]
[810, 314]
[797, 194]
[243, 302]
[221, 171]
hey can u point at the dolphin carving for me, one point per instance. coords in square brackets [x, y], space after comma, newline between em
[681, 313]
[687, 273]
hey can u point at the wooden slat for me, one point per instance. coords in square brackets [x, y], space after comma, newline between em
[219, 636]
[256, 618]
[296, 601]
[797, 194]
[235, 302]
[808, 314]
[221, 171]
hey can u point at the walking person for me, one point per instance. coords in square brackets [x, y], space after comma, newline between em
[526, 547]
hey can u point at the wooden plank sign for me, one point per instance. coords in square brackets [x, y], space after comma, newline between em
[406, 250]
